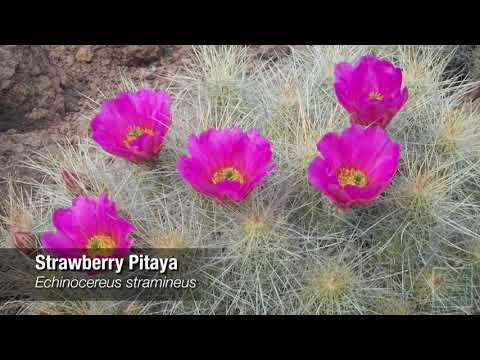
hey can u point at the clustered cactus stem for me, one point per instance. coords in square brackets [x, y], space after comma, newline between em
[261, 159]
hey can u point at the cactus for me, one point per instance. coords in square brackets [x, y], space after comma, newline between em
[288, 249]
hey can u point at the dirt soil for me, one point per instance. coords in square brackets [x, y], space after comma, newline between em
[44, 89]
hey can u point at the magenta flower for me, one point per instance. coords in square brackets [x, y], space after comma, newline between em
[371, 90]
[92, 226]
[356, 165]
[133, 125]
[226, 163]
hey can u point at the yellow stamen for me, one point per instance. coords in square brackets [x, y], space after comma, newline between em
[351, 176]
[135, 132]
[229, 173]
[100, 245]
[375, 95]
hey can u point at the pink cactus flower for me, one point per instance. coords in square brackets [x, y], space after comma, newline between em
[356, 166]
[90, 226]
[371, 90]
[226, 163]
[133, 125]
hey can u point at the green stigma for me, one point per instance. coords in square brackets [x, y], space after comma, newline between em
[351, 176]
[359, 179]
[135, 132]
[100, 245]
[229, 173]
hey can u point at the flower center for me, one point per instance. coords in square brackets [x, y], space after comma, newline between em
[229, 173]
[351, 176]
[135, 132]
[100, 245]
[375, 95]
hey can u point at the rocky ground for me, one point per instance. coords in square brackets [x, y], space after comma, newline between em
[44, 89]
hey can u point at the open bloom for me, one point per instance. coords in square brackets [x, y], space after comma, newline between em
[356, 165]
[90, 226]
[226, 163]
[371, 90]
[133, 125]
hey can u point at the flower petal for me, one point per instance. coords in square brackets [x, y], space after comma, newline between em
[369, 150]
[370, 90]
[215, 150]
[146, 110]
